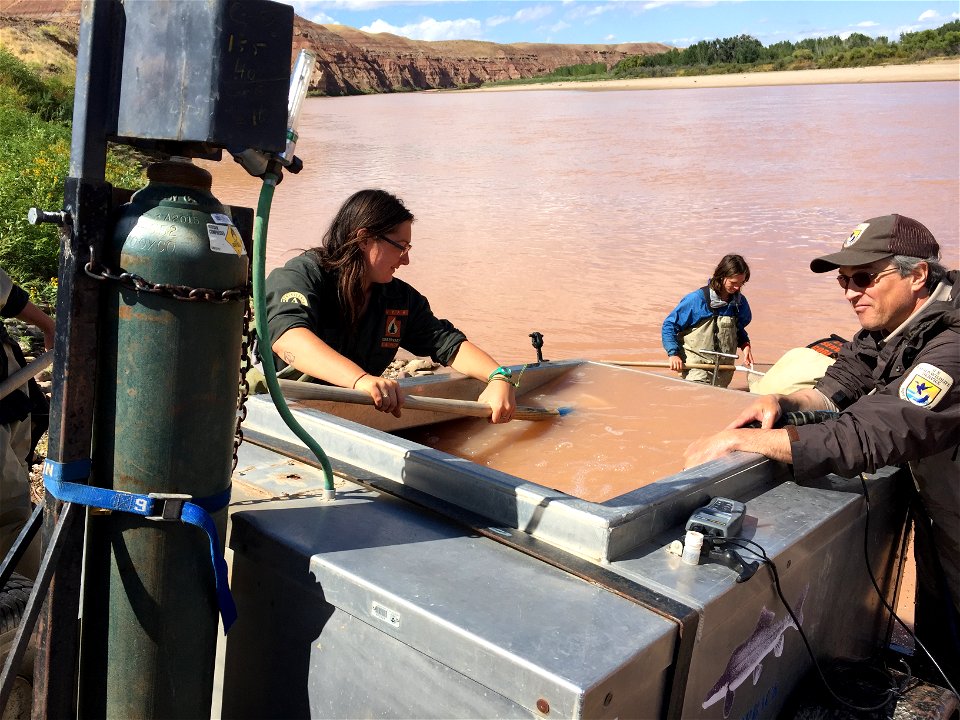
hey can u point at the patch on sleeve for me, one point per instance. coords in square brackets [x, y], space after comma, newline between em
[294, 297]
[926, 385]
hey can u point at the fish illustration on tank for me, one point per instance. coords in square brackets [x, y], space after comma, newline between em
[747, 660]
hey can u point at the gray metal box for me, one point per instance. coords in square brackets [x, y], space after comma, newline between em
[748, 655]
[366, 607]
[215, 72]
[478, 632]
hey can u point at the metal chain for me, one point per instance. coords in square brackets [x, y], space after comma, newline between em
[94, 269]
[246, 363]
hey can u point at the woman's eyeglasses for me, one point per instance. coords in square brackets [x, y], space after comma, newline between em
[862, 279]
[404, 249]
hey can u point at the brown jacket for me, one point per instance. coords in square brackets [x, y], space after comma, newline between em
[901, 404]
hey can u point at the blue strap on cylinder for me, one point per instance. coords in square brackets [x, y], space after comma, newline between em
[57, 478]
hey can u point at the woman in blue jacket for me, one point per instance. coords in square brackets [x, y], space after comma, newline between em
[715, 318]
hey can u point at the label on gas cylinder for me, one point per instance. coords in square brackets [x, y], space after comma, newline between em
[221, 219]
[225, 239]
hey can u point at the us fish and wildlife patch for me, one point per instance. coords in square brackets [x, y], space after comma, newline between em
[925, 386]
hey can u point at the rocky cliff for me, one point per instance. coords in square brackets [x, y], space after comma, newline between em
[349, 61]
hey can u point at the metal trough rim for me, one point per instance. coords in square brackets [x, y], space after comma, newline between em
[596, 531]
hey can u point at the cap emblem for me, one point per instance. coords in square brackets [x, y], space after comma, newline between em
[855, 235]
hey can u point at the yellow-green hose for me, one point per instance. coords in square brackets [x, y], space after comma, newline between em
[263, 336]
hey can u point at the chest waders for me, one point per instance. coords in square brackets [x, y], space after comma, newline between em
[717, 333]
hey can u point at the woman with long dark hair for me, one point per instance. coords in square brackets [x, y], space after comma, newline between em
[337, 313]
[713, 318]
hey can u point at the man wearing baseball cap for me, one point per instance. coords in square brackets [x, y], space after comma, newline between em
[896, 386]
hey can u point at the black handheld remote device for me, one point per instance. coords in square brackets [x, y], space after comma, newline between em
[721, 518]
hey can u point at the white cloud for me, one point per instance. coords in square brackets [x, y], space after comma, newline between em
[307, 8]
[591, 10]
[430, 29]
[867, 24]
[557, 27]
[321, 18]
[523, 15]
[928, 15]
[907, 29]
[654, 4]
[531, 14]
[354, 4]
[610, 38]
[599, 9]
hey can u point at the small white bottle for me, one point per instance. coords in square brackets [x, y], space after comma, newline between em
[691, 547]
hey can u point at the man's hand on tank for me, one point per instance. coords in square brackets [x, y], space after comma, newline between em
[711, 448]
[765, 410]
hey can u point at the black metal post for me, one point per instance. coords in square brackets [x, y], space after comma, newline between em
[87, 202]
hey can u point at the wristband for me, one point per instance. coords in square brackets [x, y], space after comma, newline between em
[361, 377]
[504, 378]
[501, 372]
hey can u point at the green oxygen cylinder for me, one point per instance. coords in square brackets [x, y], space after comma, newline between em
[165, 420]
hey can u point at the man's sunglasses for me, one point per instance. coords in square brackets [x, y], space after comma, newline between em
[862, 279]
[404, 249]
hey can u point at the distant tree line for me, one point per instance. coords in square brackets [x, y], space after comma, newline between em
[745, 53]
[578, 71]
[736, 54]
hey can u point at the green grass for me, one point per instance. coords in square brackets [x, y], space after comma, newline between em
[35, 114]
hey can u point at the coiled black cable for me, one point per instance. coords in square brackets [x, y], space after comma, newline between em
[799, 417]
[809, 417]
[890, 694]
[876, 586]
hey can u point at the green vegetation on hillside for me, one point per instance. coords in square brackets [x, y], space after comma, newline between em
[35, 116]
[747, 54]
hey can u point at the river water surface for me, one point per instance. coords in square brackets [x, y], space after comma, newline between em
[586, 216]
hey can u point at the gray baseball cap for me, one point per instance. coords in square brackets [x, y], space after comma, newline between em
[879, 238]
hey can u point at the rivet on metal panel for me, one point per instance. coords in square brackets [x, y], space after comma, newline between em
[608, 699]
[543, 706]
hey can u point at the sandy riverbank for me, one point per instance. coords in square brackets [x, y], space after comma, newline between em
[942, 70]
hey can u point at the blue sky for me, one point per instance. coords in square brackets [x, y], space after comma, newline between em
[674, 22]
